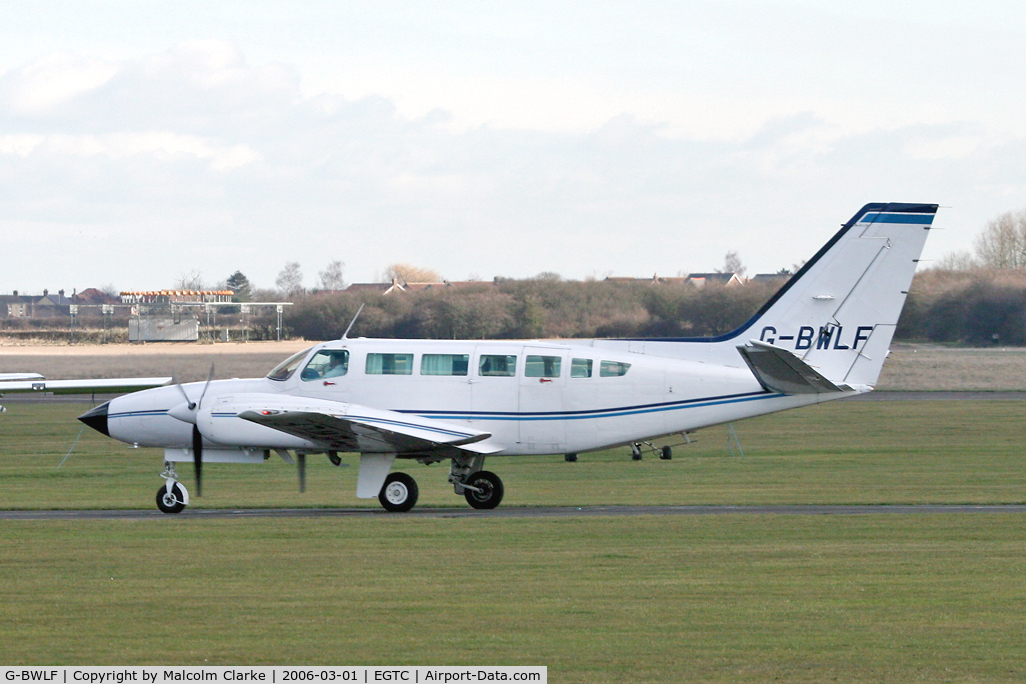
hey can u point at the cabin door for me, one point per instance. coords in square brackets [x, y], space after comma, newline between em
[542, 386]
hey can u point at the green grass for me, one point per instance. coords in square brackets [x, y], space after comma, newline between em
[729, 598]
[840, 452]
[650, 599]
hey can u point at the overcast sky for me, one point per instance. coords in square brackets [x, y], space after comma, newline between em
[142, 141]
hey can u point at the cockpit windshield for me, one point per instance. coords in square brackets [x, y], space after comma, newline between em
[285, 369]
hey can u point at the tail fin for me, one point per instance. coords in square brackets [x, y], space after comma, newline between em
[839, 312]
[829, 328]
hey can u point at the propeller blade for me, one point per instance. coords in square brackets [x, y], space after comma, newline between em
[301, 469]
[210, 376]
[197, 458]
[188, 401]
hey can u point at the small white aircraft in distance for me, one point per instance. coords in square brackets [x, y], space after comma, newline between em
[34, 382]
[822, 336]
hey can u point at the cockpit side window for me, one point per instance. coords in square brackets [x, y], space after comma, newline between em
[327, 363]
[285, 369]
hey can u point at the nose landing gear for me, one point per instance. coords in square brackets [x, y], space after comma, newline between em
[173, 496]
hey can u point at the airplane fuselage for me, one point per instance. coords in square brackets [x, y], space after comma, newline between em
[547, 398]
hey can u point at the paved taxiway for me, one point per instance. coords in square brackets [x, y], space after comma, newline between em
[510, 512]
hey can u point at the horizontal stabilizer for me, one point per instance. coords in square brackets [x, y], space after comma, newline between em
[781, 371]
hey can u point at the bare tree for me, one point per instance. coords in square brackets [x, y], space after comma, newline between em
[331, 277]
[192, 280]
[732, 264]
[1002, 244]
[290, 280]
[405, 273]
[961, 260]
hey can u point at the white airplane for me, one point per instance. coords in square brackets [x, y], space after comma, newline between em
[34, 382]
[823, 336]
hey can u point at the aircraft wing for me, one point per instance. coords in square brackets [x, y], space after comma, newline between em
[351, 427]
[97, 386]
[4, 377]
[779, 370]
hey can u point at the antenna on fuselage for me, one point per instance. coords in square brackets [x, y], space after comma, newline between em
[345, 335]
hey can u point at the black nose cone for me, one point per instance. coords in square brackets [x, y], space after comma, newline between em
[96, 418]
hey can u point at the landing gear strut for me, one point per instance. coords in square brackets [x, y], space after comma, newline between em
[173, 496]
[482, 489]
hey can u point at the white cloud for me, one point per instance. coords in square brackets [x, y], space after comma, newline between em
[195, 158]
[53, 80]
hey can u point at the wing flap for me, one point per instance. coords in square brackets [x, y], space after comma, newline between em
[351, 427]
[779, 370]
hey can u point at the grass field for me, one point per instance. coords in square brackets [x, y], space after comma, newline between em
[733, 598]
[839, 452]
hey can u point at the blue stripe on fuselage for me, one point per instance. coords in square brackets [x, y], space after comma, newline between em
[597, 413]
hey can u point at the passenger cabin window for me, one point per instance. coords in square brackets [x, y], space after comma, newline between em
[327, 363]
[444, 364]
[613, 369]
[285, 369]
[542, 367]
[495, 365]
[389, 364]
[580, 368]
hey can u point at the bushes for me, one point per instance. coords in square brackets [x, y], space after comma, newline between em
[526, 309]
[968, 307]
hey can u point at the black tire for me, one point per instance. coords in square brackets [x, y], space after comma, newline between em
[570, 458]
[491, 492]
[399, 493]
[667, 453]
[173, 503]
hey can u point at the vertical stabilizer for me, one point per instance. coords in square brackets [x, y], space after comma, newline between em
[838, 313]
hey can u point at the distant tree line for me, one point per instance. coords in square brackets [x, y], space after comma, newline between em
[967, 299]
[532, 308]
[977, 306]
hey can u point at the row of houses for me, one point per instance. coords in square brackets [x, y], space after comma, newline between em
[692, 280]
[48, 305]
[93, 302]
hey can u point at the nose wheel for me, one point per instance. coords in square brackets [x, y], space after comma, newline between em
[171, 501]
[173, 496]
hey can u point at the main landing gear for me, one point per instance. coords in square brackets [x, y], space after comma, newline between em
[173, 496]
[482, 489]
[399, 493]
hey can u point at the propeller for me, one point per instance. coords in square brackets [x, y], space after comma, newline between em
[197, 436]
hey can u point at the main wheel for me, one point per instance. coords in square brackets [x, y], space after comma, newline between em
[399, 494]
[667, 453]
[171, 502]
[490, 490]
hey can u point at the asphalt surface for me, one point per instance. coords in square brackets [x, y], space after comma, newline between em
[509, 512]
